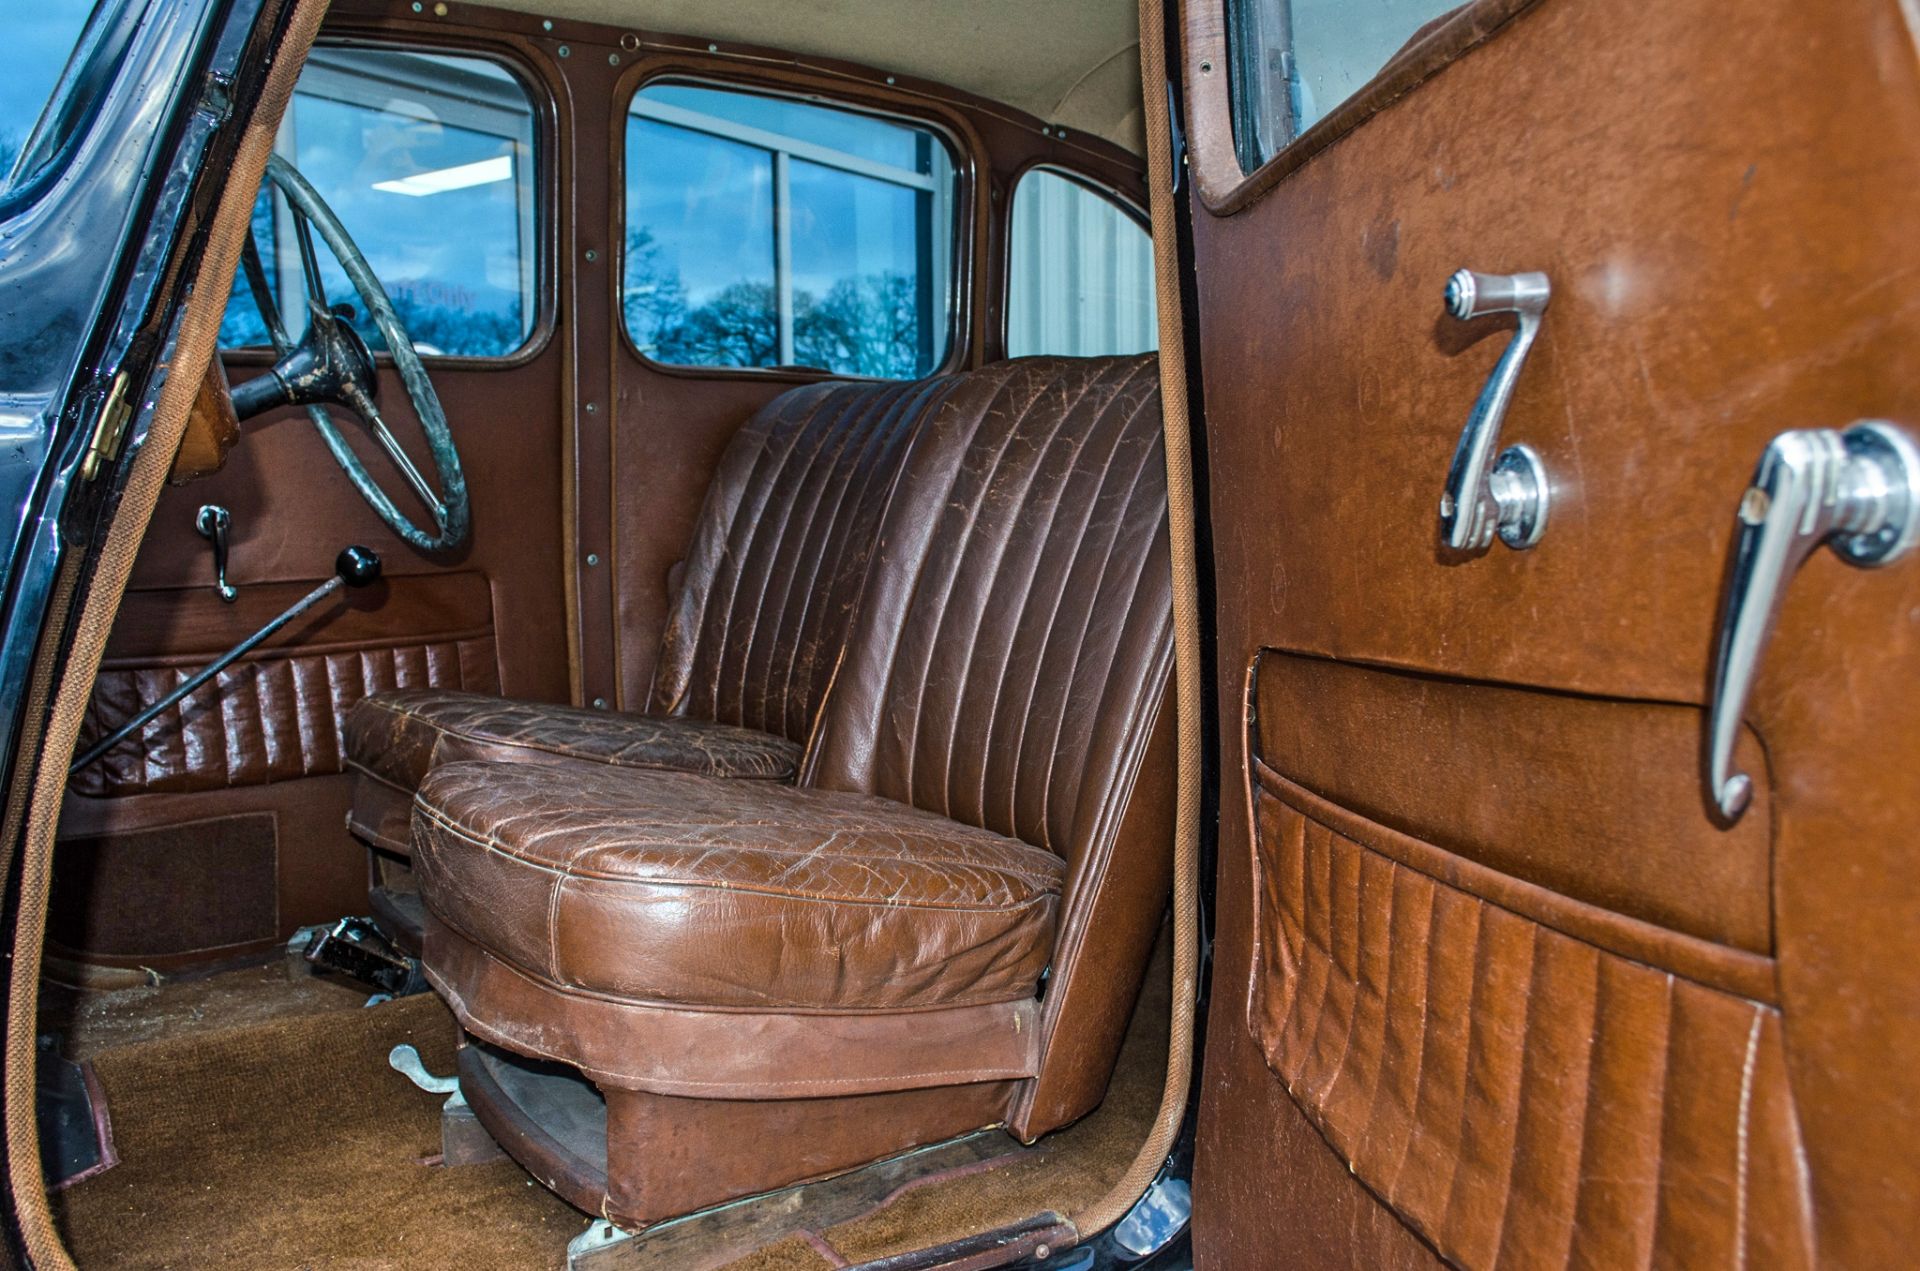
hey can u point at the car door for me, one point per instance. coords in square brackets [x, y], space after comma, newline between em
[1503, 974]
[439, 151]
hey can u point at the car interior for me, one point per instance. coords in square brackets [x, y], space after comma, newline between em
[771, 639]
[815, 635]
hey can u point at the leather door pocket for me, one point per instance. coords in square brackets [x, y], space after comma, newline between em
[1513, 971]
[1504, 1066]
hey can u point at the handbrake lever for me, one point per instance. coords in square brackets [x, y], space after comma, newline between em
[354, 567]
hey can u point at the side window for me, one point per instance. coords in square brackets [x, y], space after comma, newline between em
[1293, 61]
[428, 162]
[1079, 272]
[40, 36]
[765, 231]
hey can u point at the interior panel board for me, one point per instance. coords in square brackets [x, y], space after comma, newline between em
[1727, 262]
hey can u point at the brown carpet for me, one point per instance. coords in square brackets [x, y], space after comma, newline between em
[292, 1144]
[90, 1021]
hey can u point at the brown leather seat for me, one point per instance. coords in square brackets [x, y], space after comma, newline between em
[665, 887]
[396, 739]
[771, 574]
[782, 981]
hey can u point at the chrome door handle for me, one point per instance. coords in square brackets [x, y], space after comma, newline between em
[1860, 491]
[1486, 495]
[214, 522]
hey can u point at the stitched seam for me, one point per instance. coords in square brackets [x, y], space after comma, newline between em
[1043, 890]
[586, 993]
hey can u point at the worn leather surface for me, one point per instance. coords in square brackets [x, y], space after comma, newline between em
[399, 737]
[726, 1053]
[1647, 170]
[768, 587]
[669, 887]
[1017, 605]
[775, 566]
[261, 720]
[1012, 636]
[212, 429]
[1508, 1087]
[1010, 664]
[1373, 739]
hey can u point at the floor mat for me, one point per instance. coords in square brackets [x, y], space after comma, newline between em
[292, 1144]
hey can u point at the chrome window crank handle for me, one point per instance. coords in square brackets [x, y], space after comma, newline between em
[214, 524]
[1860, 491]
[1486, 495]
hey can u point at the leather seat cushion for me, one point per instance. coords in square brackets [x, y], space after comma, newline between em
[674, 888]
[399, 737]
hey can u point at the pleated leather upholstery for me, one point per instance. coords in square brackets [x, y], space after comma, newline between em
[1020, 636]
[263, 719]
[968, 815]
[771, 579]
[1502, 1085]
[775, 565]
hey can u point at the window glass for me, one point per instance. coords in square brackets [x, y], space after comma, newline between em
[763, 231]
[428, 162]
[1080, 272]
[1293, 61]
[40, 35]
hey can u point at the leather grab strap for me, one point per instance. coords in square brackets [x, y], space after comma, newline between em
[1113, 1206]
[198, 333]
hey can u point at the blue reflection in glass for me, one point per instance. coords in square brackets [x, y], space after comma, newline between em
[40, 35]
[427, 162]
[851, 274]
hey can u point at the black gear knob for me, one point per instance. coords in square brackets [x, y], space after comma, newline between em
[357, 566]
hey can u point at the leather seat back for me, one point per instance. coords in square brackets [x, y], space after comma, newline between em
[1010, 664]
[777, 557]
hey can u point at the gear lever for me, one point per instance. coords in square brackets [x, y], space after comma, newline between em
[354, 567]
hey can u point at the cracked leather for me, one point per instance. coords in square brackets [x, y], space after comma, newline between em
[400, 737]
[772, 575]
[985, 795]
[669, 887]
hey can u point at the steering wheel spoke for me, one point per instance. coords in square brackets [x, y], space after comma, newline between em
[262, 293]
[369, 413]
[309, 262]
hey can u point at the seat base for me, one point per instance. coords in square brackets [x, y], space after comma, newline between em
[641, 1158]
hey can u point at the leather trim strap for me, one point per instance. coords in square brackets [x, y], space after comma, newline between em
[1113, 1206]
[727, 1054]
[193, 353]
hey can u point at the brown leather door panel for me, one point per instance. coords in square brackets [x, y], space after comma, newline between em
[281, 712]
[1494, 982]
[492, 617]
[1600, 802]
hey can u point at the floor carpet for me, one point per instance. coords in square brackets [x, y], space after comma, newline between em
[285, 1141]
[291, 1143]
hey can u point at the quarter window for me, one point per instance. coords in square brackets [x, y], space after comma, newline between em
[1080, 272]
[428, 162]
[763, 231]
[1293, 61]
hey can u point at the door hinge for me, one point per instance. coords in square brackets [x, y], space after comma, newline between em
[109, 431]
[216, 98]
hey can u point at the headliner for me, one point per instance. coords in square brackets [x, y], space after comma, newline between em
[1069, 62]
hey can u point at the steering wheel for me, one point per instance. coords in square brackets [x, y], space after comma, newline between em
[331, 365]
